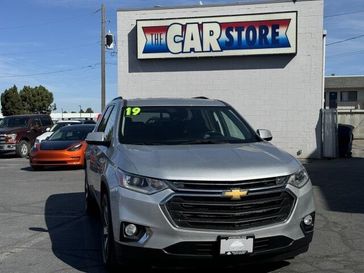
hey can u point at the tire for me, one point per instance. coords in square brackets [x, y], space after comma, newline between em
[90, 202]
[107, 237]
[23, 149]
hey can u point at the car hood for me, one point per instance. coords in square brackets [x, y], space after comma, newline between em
[44, 136]
[218, 162]
[57, 145]
[12, 130]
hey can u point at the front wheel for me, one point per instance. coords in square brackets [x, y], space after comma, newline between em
[90, 202]
[107, 238]
[23, 149]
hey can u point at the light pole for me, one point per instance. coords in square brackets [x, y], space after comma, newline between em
[103, 20]
[80, 109]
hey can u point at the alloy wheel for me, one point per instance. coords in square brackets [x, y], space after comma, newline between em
[105, 231]
[24, 149]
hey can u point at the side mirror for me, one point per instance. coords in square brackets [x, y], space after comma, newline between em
[97, 138]
[265, 134]
[48, 129]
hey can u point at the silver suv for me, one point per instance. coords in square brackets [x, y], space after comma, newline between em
[189, 178]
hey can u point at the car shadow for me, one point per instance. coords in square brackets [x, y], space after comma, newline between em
[8, 156]
[53, 169]
[339, 182]
[75, 239]
[74, 235]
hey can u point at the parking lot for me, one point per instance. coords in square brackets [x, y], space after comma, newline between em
[44, 228]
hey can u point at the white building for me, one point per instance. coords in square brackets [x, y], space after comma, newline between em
[265, 59]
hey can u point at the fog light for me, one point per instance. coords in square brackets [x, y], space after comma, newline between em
[307, 223]
[308, 220]
[130, 230]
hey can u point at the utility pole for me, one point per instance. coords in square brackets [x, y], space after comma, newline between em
[103, 21]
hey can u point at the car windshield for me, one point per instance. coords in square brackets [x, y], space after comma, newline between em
[13, 122]
[59, 125]
[183, 125]
[71, 133]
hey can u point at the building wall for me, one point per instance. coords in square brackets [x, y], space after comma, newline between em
[358, 104]
[282, 93]
[345, 83]
[354, 118]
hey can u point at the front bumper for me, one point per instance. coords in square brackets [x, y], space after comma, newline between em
[7, 148]
[56, 158]
[162, 235]
[280, 248]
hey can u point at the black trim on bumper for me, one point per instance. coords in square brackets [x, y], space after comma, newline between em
[276, 251]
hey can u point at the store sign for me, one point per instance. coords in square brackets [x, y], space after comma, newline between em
[218, 36]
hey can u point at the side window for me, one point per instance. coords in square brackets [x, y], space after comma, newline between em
[103, 122]
[36, 123]
[110, 124]
[234, 130]
[46, 121]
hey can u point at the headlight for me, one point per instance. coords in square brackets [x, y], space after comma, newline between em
[75, 147]
[10, 138]
[299, 179]
[141, 184]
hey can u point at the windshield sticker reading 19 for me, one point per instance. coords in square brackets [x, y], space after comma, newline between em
[182, 38]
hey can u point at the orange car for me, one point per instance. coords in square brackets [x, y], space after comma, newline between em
[66, 147]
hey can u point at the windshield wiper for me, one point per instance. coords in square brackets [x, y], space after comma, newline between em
[206, 141]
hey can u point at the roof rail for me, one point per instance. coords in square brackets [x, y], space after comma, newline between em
[201, 97]
[118, 98]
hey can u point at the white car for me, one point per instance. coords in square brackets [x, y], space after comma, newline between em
[54, 128]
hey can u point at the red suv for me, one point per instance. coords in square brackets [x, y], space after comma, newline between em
[18, 133]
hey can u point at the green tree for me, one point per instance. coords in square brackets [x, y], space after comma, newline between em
[36, 99]
[11, 103]
[89, 110]
[81, 111]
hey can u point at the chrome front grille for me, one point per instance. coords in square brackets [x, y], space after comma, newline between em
[2, 139]
[203, 205]
[218, 186]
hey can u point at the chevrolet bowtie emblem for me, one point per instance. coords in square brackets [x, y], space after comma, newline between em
[235, 194]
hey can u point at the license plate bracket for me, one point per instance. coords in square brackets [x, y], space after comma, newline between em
[236, 245]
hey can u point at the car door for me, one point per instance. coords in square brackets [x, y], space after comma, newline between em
[96, 158]
[46, 123]
[35, 129]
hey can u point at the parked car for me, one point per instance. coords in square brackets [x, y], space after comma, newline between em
[18, 133]
[66, 147]
[54, 128]
[189, 178]
[88, 121]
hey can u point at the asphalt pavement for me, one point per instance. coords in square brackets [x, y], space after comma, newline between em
[43, 226]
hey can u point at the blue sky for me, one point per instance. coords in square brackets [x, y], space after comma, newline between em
[56, 43]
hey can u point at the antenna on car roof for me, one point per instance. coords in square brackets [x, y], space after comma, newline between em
[201, 97]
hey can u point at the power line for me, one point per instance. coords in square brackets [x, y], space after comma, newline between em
[344, 13]
[346, 53]
[345, 40]
[91, 66]
[50, 50]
